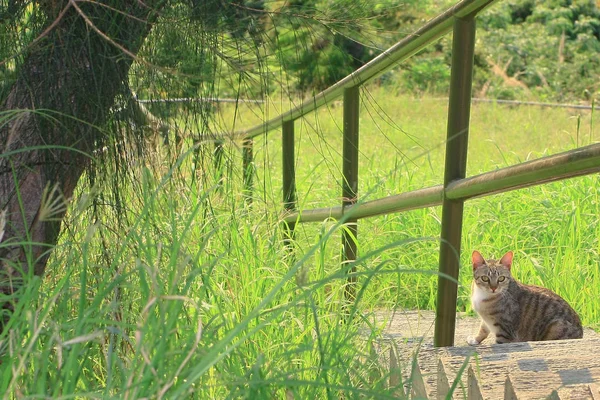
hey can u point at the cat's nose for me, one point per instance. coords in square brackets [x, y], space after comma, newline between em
[493, 289]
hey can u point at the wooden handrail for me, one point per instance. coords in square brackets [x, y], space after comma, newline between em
[455, 188]
[569, 164]
[421, 38]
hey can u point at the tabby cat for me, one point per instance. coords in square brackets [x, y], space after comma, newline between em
[515, 312]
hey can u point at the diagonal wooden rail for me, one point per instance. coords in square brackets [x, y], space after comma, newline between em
[404, 49]
[455, 188]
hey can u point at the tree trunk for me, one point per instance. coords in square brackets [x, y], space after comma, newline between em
[63, 95]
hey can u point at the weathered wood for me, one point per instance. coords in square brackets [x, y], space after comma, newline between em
[375, 370]
[218, 155]
[577, 347]
[428, 366]
[395, 377]
[457, 379]
[474, 393]
[459, 114]
[594, 390]
[509, 390]
[417, 385]
[410, 333]
[350, 187]
[248, 169]
[533, 374]
[567, 375]
[491, 378]
[415, 325]
[443, 388]
[579, 392]
[553, 396]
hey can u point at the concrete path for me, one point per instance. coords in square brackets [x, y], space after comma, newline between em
[562, 369]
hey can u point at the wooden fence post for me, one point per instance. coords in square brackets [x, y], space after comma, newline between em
[459, 111]
[247, 168]
[350, 183]
[218, 162]
[289, 177]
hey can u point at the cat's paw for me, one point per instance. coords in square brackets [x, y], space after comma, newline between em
[472, 341]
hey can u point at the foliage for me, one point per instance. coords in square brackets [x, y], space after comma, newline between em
[188, 61]
[177, 288]
[551, 47]
[552, 227]
[427, 75]
[195, 298]
[320, 42]
[513, 59]
[198, 298]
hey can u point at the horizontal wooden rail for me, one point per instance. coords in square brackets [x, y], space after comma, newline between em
[431, 31]
[535, 103]
[339, 102]
[455, 189]
[200, 100]
[581, 161]
[420, 198]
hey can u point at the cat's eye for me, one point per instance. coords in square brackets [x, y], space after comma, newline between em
[485, 279]
[502, 278]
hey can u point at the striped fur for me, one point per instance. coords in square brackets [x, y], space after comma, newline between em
[515, 312]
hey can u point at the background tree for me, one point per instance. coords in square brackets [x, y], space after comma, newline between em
[320, 42]
[66, 100]
[526, 50]
[67, 79]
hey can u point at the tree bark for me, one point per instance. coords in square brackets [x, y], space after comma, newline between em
[62, 98]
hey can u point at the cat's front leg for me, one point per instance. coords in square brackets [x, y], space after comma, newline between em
[483, 333]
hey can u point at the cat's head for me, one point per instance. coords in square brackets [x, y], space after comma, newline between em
[493, 276]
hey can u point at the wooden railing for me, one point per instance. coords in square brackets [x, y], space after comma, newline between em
[455, 188]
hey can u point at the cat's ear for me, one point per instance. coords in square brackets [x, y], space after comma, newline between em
[506, 260]
[477, 259]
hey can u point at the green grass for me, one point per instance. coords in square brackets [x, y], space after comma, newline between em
[553, 228]
[194, 296]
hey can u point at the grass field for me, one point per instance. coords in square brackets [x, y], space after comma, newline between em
[553, 228]
[194, 296]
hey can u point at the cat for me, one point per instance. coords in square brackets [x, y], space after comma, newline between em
[516, 312]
